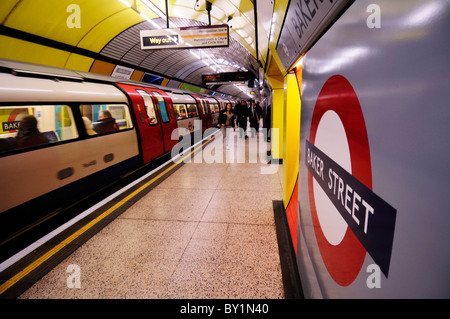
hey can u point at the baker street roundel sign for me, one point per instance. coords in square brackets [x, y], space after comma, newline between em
[349, 219]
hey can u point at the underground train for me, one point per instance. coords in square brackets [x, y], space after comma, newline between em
[81, 147]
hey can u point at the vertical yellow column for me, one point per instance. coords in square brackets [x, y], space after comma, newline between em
[291, 136]
[277, 124]
[276, 82]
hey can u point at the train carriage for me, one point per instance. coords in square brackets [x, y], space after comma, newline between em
[41, 177]
[155, 120]
[187, 114]
[73, 152]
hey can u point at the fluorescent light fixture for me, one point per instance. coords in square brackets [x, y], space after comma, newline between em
[213, 61]
[239, 87]
[125, 2]
[149, 20]
[154, 8]
[208, 58]
[194, 54]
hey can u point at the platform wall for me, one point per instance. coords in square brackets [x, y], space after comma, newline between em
[373, 201]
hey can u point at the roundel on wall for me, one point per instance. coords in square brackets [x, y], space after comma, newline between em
[349, 219]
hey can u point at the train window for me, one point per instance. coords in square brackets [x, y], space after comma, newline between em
[205, 107]
[162, 107]
[26, 126]
[105, 118]
[181, 112]
[214, 108]
[192, 110]
[149, 107]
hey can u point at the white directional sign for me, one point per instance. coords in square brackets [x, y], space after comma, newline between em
[186, 37]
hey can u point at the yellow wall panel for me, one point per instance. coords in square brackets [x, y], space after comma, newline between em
[48, 18]
[137, 75]
[101, 67]
[291, 137]
[5, 7]
[277, 123]
[30, 52]
[276, 81]
[273, 73]
[78, 62]
[147, 11]
[96, 39]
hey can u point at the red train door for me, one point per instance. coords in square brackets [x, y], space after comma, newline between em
[208, 114]
[148, 123]
[168, 118]
[205, 112]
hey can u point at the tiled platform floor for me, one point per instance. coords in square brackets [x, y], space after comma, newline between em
[207, 231]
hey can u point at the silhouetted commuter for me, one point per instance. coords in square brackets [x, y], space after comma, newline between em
[255, 114]
[226, 120]
[241, 111]
[106, 123]
[28, 134]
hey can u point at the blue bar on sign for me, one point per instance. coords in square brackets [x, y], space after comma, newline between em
[370, 218]
[10, 126]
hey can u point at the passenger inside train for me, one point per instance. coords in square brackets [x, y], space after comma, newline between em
[34, 125]
[106, 123]
[29, 134]
[104, 118]
[89, 126]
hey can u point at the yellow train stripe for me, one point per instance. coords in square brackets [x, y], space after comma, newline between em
[9, 283]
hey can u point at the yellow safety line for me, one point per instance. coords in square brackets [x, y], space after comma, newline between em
[8, 284]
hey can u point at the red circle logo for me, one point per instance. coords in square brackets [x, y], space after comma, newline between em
[343, 260]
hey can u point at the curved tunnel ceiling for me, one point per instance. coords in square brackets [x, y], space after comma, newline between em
[38, 31]
[183, 65]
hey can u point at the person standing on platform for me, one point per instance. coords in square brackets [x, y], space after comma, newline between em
[226, 120]
[259, 110]
[255, 114]
[241, 111]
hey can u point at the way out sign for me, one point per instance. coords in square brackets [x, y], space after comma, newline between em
[186, 37]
